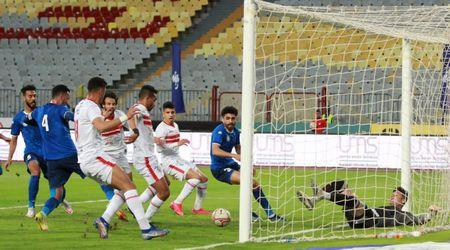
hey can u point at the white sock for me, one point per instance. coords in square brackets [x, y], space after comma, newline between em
[114, 204]
[154, 206]
[132, 199]
[148, 193]
[187, 189]
[201, 194]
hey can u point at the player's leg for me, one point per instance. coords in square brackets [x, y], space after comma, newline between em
[258, 194]
[162, 194]
[33, 184]
[108, 190]
[201, 193]
[115, 176]
[57, 177]
[181, 170]
[56, 194]
[128, 193]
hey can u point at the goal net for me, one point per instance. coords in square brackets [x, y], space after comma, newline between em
[339, 84]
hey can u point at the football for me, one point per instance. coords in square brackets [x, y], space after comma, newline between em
[221, 217]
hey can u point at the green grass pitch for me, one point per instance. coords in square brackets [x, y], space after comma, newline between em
[76, 231]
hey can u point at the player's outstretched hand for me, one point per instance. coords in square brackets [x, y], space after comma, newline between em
[7, 165]
[131, 138]
[159, 141]
[237, 157]
[183, 142]
[132, 112]
[434, 209]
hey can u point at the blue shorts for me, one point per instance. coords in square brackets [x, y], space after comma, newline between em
[59, 171]
[41, 162]
[224, 174]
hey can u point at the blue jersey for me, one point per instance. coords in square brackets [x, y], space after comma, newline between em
[30, 134]
[227, 141]
[55, 132]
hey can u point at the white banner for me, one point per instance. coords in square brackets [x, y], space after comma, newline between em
[354, 151]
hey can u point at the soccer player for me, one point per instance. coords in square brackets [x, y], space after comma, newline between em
[98, 165]
[359, 215]
[114, 142]
[167, 139]
[224, 138]
[33, 155]
[144, 157]
[58, 148]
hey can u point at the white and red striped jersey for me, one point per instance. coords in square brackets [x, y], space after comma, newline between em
[144, 145]
[113, 140]
[87, 137]
[171, 136]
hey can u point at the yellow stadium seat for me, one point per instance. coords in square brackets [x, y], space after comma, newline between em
[112, 26]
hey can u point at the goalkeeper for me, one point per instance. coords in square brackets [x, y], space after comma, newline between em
[359, 215]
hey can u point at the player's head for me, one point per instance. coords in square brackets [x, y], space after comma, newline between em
[96, 89]
[61, 94]
[29, 96]
[109, 101]
[399, 197]
[168, 111]
[229, 115]
[147, 96]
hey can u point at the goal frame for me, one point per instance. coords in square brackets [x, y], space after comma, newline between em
[247, 128]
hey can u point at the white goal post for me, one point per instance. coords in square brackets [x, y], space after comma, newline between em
[372, 74]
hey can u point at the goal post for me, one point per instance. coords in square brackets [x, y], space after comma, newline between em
[348, 93]
[248, 100]
[406, 120]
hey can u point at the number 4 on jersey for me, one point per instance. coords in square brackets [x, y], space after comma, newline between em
[45, 123]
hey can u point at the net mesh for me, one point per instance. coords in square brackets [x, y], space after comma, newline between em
[328, 82]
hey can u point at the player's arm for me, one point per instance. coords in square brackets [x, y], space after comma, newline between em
[132, 137]
[12, 149]
[15, 131]
[238, 149]
[216, 151]
[104, 126]
[68, 116]
[6, 139]
[421, 219]
[160, 134]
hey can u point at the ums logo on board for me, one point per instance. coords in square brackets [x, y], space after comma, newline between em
[417, 129]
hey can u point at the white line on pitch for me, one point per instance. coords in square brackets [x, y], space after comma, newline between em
[93, 201]
[40, 205]
[208, 246]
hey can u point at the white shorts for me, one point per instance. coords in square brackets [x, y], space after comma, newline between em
[176, 166]
[122, 161]
[149, 168]
[99, 168]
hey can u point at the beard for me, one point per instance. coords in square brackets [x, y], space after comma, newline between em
[31, 105]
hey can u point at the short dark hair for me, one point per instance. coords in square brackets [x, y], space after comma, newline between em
[59, 89]
[110, 94]
[146, 90]
[96, 83]
[403, 191]
[168, 105]
[229, 110]
[27, 88]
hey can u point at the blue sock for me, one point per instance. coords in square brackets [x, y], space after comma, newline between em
[50, 205]
[33, 188]
[104, 222]
[260, 197]
[109, 191]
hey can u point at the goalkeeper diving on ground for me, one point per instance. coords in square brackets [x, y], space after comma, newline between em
[359, 215]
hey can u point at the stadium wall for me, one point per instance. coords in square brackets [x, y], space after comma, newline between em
[349, 151]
